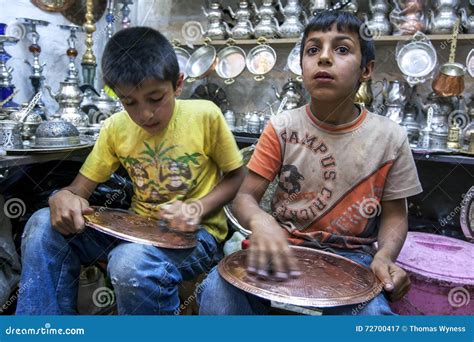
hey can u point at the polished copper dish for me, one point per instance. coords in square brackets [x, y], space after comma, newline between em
[326, 280]
[131, 227]
[53, 5]
[77, 12]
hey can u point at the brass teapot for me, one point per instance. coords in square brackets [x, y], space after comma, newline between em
[364, 95]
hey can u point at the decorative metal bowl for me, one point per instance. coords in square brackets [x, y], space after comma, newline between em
[57, 133]
[30, 123]
[10, 134]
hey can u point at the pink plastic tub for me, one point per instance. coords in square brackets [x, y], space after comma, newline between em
[441, 271]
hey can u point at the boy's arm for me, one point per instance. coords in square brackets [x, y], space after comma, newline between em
[70, 204]
[391, 236]
[223, 192]
[268, 242]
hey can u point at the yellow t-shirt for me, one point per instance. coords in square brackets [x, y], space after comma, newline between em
[181, 162]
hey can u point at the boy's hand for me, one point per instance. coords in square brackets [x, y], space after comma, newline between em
[395, 279]
[67, 210]
[269, 253]
[180, 216]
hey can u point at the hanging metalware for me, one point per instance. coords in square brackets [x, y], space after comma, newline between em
[261, 59]
[230, 62]
[450, 79]
[202, 62]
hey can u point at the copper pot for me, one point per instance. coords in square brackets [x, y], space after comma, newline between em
[413, 6]
[412, 25]
[450, 80]
[202, 62]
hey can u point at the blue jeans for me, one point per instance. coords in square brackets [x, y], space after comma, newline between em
[218, 297]
[145, 278]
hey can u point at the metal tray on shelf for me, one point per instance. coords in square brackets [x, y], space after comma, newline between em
[32, 148]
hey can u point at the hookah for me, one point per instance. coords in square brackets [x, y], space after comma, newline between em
[7, 89]
[89, 62]
[125, 10]
[37, 77]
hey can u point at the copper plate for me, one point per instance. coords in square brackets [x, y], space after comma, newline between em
[131, 227]
[327, 280]
[77, 12]
[53, 5]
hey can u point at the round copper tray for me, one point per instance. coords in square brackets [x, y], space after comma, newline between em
[326, 280]
[131, 227]
[77, 12]
[53, 5]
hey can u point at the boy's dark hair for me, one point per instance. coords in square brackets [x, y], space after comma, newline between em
[345, 22]
[138, 53]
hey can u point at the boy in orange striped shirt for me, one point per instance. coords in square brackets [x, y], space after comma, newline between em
[344, 175]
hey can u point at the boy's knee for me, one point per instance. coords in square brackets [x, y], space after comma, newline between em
[130, 264]
[38, 228]
[213, 285]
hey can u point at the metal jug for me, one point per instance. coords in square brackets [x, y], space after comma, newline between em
[395, 92]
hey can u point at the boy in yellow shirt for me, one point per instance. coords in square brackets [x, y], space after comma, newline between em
[175, 152]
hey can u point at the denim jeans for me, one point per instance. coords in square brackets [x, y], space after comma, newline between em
[145, 278]
[218, 297]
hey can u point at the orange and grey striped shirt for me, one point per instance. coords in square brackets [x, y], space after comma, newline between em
[331, 179]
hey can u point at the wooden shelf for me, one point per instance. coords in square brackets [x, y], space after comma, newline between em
[381, 39]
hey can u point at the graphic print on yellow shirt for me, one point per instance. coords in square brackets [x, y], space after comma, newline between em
[181, 162]
[169, 175]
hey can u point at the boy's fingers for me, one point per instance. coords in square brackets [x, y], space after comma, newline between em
[78, 220]
[87, 211]
[263, 263]
[397, 295]
[292, 263]
[279, 264]
[401, 282]
[252, 258]
[381, 271]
